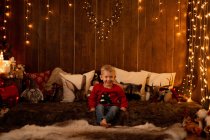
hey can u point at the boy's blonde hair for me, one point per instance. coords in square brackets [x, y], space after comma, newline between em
[108, 68]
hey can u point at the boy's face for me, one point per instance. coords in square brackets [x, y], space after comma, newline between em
[107, 78]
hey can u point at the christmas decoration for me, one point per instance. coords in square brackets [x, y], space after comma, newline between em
[103, 27]
[105, 99]
[32, 94]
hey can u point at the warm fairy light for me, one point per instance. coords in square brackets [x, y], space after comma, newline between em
[49, 10]
[30, 26]
[69, 4]
[27, 42]
[160, 10]
[178, 34]
[198, 43]
[103, 26]
[6, 16]
[177, 20]
[28, 21]
[140, 7]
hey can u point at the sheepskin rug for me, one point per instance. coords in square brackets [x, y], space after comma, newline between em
[81, 130]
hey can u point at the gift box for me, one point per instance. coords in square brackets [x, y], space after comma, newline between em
[9, 95]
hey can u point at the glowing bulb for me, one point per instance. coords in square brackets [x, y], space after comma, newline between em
[30, 26]
[27, 42]
[140, 8]
[7, 14]
[178, 34]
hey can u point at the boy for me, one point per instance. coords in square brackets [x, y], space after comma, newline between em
[107, 98]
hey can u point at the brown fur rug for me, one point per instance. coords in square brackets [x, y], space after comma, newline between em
[160, 114]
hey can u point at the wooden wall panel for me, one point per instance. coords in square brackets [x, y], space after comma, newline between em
[16, 30]
[41, 35]
[66, 36]
[53, 35]
[137, 42]
[130, 34]
[147, 36]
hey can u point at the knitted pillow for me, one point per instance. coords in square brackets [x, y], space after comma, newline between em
[40, 78]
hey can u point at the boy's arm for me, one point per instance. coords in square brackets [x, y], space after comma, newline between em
[92, 99]
[124, 102]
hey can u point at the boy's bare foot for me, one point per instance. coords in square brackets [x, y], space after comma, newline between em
[104, 123]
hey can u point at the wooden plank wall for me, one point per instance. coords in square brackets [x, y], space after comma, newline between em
[137, 42]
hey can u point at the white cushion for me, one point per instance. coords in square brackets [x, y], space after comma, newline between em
[160, 79]
[131, 77]
[76, 79]
[69, 81]
[68, 90]
[89, 78]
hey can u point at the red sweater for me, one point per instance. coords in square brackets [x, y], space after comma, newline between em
[116, 95]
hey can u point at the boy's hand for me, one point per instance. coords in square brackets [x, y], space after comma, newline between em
[123, 109]
[92, 109]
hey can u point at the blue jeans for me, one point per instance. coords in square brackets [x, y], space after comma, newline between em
[106, 112]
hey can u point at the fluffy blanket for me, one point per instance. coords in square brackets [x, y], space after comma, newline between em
[82, 130]
[42, 114]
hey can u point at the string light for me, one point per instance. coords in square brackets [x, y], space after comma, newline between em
[160, 10]
[103, 27]
[49, 11]
[28, 21]
[4, 35]
[140, 8]
[5, 19]
[69, 4]
[198, 43]
[177, 19]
